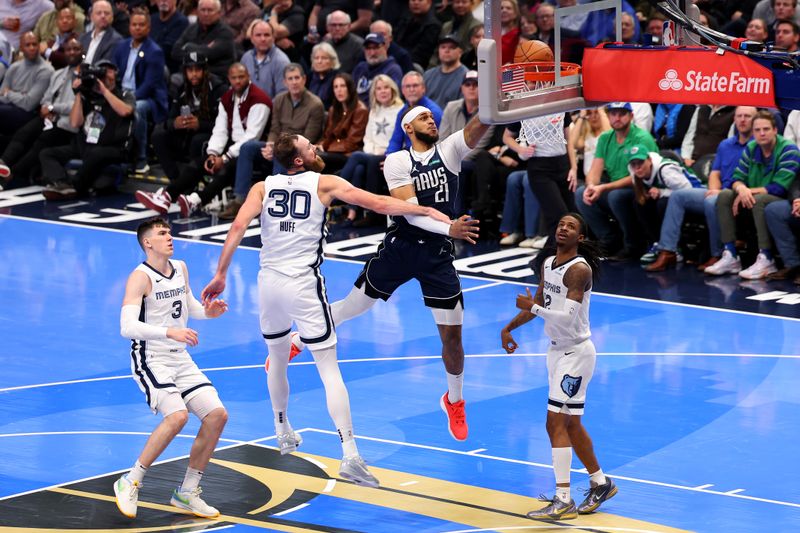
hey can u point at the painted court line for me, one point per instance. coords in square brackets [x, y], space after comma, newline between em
[293, 509]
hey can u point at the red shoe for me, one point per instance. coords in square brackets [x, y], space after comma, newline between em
[456, 417]
[294, 351]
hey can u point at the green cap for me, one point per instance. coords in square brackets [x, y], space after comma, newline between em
[638, 151]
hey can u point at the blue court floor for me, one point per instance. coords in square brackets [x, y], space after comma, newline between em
[694, 410]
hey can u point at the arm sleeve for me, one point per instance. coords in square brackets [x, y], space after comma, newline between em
[562, 318]
[196, 309]
[427, 223]
[131, 327]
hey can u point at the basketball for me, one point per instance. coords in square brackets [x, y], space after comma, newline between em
[528, 51]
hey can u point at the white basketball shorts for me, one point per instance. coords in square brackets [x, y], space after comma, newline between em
[569, 370]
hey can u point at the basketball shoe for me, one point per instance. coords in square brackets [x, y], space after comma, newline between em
[557, 510]
[158, 201]
[294, 351]
[456, 417]
[353, 468]
[191, 501]
[597, 495]
[127, 495]
[288, 442]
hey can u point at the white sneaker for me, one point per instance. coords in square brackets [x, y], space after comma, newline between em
[127, 494]
[158, 201]
[511, 239]
[288, 442]
[191, 501]
[760, 269]
[189, 203]
[353, 468]
[727, 264]
[536, 243]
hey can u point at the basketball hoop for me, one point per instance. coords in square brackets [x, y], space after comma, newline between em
[536, 76]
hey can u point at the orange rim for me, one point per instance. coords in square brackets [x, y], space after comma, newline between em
[544, 70]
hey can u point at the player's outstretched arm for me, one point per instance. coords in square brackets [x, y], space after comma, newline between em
[130, 327]
[524, 303]
[197, 310]
[249, 210]
[474, 130]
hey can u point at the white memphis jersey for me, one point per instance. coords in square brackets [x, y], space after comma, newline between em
[555, 295]
[165, 306]
[292, 224]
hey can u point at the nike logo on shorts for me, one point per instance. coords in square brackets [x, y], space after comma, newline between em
[569, 353]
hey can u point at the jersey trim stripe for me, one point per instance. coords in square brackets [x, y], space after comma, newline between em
[161, 273]
[558, 404]
[138, 372]
[187, 392]
[276, 335]
[326, 311]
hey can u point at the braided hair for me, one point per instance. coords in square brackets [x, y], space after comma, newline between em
[589, 250]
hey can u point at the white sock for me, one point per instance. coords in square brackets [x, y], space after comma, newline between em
[562, 461]
[354, 304]
[282, 424]
[598, 478]
[336, 396]
[454, 386]
[349, 447]
[191, 480]
[137, 472]
[562, 493]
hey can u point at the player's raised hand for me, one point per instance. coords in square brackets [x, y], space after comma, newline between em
[187, 335]
[465, 228]
[525, 301]
[214, 288]
[509, 344]
[215, 308]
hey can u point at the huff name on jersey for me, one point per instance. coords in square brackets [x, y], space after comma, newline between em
[431, 179]
[287, 225]
[171, 293]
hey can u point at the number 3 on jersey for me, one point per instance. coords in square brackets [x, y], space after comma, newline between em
[296, 204]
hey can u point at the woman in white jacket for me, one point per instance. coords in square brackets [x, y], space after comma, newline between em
[363, 169]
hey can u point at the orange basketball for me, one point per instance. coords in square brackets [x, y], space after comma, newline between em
[528, 51]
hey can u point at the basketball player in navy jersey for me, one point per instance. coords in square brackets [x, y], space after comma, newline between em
[157, 306]
[562, 300]
[292, 209]
[418, 248]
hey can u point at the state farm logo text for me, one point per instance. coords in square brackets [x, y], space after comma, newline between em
[733, 82]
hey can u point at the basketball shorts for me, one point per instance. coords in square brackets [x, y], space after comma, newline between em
[162, 375]
[569, 370]
[302, 300]
[402, 258]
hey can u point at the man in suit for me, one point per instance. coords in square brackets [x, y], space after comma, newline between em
[100, 42]
[141, 64]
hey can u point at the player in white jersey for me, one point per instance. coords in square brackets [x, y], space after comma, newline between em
[562, 300]
[156, 308]
[291, 288]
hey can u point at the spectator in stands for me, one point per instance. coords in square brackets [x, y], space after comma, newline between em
[288, 20]
[377, 62]
[349, 46]
[772, 10]
[418, 31]
[575, 21]
[359, 15]
[443, 82]
[787, 35]
[392, 11]
[783, 219]
[509, 28]
[413, 89]
[265, 61]
[103, 115]
[363, 167]
[23, 86]
[704, 201]
[643, 115]
[19, 18]
[53, 48]
[167, 28]
[470, 58]
[238, 14]
[655, 178]
[601, 198]
[394, 50]
[572, 44]
[141, 63]
[527, 26]
[209, 36]
[670, 124]
[295, 111]
[520, 200]
[99, 43]
[324, 66]
[710, 125]
[346, 124]
[582, 142]
[601, 25]
[47, 28]
[243, 113]
[757, 31]
[51, 128]
[765, 172]
[460, 25]
[655, 27]
[792, 129]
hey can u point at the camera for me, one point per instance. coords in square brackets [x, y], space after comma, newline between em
[89, 76]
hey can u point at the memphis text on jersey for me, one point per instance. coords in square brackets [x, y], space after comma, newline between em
[551, 287]
[170, 293]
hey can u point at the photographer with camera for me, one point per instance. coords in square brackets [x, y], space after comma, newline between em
[104, 116]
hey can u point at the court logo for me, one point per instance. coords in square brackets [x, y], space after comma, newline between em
[571, 385]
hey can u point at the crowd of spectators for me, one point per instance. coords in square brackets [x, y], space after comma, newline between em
[204, 88]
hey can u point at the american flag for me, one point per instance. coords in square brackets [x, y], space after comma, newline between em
[513, 80]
